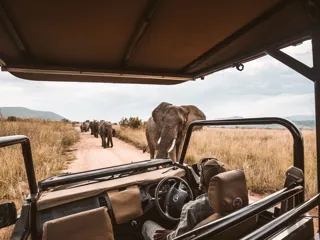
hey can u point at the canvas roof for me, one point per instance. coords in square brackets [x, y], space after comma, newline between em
[142, 41]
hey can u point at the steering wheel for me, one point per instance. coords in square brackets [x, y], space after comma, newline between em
[179, 193]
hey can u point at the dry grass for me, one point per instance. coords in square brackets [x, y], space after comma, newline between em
[49, 141]
[264, 154]
[135, 137]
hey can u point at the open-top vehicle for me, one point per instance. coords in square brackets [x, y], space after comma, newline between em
[156, 42]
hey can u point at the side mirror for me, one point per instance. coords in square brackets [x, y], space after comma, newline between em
[8, 214]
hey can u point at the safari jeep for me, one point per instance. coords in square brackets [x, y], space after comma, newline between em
[156, 42]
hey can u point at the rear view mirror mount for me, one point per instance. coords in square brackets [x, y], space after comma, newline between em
[8, 214]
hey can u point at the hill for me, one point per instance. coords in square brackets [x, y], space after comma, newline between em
[299, 118]
[22, 112]
[301, 121]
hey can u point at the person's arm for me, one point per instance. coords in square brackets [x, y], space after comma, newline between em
[188, 220]
[192, 213]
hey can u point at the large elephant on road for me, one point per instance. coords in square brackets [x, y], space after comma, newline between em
[105, 131]
[167, 128]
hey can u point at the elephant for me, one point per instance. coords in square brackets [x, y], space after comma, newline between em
[167, 128]
[91, 127]
[95, 128]
[105, 131]
[84, 127]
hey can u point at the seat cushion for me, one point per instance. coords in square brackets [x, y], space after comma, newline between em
[228, 192]
[92, 224]
[126, 205]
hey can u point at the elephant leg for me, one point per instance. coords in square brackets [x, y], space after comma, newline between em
[103, 142]
[173, 155]
[152, 152]
[108, 142]
[180, 146]
[111, 141]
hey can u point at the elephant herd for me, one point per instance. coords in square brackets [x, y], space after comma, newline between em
[102, 128]
[165, 130]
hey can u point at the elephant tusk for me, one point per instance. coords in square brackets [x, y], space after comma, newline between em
[173, 144]
[159, 140]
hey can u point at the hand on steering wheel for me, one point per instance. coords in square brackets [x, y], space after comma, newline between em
[175, 198]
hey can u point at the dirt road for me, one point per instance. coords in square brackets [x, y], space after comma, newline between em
[90, 155]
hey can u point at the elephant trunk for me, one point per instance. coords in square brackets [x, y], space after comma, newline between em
[166, 142]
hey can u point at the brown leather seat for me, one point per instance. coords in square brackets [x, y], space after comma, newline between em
[92, 224]
[228, 193]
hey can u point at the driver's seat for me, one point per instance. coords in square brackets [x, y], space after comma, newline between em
[228, 193]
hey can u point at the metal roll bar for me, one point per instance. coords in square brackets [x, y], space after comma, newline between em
[27, 157]
[283, 221]
[102, 172]
[298, 148]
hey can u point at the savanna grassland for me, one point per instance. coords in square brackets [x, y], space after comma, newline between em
[49, 142]
[263, 154]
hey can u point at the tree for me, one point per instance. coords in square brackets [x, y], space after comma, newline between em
[132, 122]
[124, 122]
[12, 118]
[135, 122]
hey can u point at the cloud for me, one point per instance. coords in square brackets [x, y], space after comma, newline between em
[265, 87]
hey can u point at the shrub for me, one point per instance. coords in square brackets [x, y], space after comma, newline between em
[131, 122]
[12, 119]
[135, 122]
[124, 122]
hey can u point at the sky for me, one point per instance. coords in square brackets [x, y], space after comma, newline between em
[265, 87]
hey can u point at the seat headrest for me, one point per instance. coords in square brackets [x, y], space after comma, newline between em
[228, 192]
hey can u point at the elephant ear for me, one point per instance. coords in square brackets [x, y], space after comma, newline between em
[194, 115]
[158, 112]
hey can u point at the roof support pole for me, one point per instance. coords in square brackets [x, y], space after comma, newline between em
[11, 29]
[316, 66]
[292, 63]
[140, 29]
[312, 74]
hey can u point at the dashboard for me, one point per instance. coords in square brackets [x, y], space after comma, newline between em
[136, 206]
[147, 194]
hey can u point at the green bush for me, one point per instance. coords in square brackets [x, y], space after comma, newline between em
[131, 122]
[12, 119]
[124, 122]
